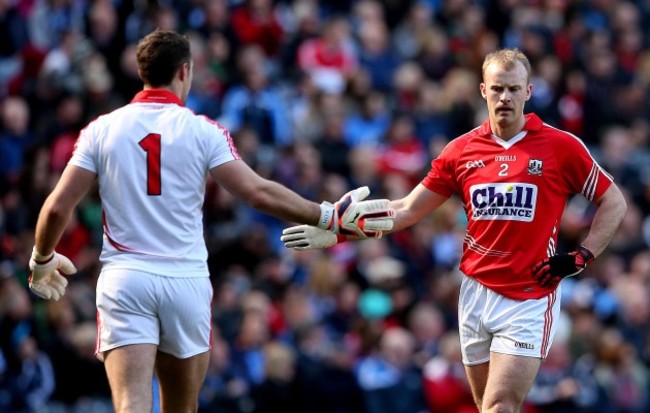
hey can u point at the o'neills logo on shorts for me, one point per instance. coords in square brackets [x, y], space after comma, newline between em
[504, 201]
[527, 346]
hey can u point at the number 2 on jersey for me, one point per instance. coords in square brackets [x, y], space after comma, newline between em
[151, 145]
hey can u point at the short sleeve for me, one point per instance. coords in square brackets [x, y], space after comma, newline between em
[83, 154]
[220, 146]
[441, 178]
[582, 173]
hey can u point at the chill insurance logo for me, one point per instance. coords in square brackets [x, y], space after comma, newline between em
[505, 201]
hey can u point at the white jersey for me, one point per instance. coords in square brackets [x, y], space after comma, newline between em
[152, 158]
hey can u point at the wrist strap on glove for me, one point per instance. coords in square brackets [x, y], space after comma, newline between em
[326, 219]
[585, 255]
[41, 259]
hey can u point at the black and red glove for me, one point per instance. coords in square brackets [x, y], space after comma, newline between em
[351, 215]
[550, 271]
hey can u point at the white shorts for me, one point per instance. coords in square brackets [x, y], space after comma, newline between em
[490, 322]
[135, 307]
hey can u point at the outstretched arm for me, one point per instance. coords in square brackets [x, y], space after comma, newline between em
[411, 209]
[350, 215]
[408, 211]
[265, 195]
[611, 210]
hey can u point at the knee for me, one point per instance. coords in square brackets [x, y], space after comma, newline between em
[501, 406]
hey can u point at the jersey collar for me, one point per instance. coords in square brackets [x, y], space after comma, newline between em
[533, 122]
[156, 96]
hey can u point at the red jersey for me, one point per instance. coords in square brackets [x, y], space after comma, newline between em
[514, 193]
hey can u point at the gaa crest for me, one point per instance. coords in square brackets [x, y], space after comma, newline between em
[534, 167]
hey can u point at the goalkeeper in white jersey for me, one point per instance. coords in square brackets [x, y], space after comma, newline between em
[150, 160]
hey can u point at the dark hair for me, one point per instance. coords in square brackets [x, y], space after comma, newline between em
[160, 54]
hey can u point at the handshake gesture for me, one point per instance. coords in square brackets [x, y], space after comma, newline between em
[349, 216]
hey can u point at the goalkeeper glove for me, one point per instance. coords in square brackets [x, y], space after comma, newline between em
[45, 279]
[350, 215]
[551, 270]
[306, 237]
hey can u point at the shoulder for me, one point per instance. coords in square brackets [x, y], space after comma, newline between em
[209, 123]
[209, 128]
[561, 139]
[116, 116]
[103, 121]
[457, 145]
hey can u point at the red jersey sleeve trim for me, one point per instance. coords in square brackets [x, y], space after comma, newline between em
[226, 133]
[597, 181]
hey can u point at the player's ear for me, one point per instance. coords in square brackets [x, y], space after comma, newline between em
[183, 72]
[482, 87]
[529, 91]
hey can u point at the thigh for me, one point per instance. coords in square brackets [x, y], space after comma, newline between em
[185, 316]
[477, 376]
[509, 380]
[127, 306]
[475, 339]
[180, 381]
[525, 328]
[130, 372]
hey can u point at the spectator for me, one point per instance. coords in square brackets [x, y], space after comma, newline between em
[330, 58]
[14, 32]
[255, 23]
[51, 19]
[221, 391]
[369, 125]
[376, 54]
[277, 392]
[324, 374]
[257, 104]
[388, 378]
[410, 35]
[402, 153]
[333, 149]
[213, 18]
[248, 356]
[621, 373]
[562, 387]
[445, 385]
[15, 139]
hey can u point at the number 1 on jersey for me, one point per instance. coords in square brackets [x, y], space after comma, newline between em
[151, 145]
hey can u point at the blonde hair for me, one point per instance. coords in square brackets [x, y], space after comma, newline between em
[507, 58]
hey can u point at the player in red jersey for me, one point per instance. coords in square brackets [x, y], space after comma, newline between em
[150, 160]
[513, 175]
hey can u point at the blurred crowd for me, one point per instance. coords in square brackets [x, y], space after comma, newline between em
[324, 96]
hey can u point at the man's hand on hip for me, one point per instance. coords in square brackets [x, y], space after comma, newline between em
[45, 279]
[353, 216]
[550, 271]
